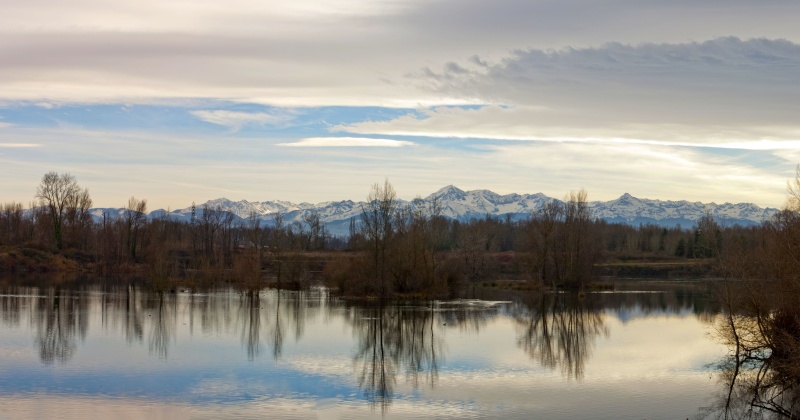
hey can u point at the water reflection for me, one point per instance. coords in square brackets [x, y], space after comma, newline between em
[558, 330]
[61, 320]
[396, 339]
[162, 310]
[278, 312]
[395, 346]
[250, 317]
[133, 325]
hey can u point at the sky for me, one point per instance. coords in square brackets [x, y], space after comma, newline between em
[312, 101]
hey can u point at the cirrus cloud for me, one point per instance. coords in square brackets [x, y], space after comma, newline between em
[236, 120]
[18, 145]
[346, 142]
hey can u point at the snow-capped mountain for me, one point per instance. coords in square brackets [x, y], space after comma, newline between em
[632, 210]
[462, 205]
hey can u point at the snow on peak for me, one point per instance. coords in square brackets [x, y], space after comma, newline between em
[458, 204]
[449, 192]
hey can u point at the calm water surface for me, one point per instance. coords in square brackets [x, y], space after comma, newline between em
[117, 350]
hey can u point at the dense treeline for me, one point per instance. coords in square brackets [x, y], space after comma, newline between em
[212, 245]
[407, 249]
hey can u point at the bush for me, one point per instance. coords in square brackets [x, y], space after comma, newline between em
[348, 274]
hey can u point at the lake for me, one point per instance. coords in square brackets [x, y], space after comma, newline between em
[113, 349]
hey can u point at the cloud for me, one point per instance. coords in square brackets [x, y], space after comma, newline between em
[561, 23]
[525, 123]
[312, 53]
[46, 105]
[662, 172]
[724, 93]
[716, 81]
[346, 142]
[18, 145]
[236, 120]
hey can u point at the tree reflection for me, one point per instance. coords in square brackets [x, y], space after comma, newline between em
[11, 306]
[422, 348]
[121, 309]
[375, 371]
[394, 339]
[271, 315]
[276, 328]
[162, 322]
[60, 316]
[250, 314]
[252, 307]
[558, 331]
[134, 319]
[60, 320]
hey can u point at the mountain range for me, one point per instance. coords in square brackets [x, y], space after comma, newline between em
[467, 205]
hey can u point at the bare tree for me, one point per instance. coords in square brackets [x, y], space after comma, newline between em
[254, 230]
[78, 220]
[793, 192]
[377, 217]
[11, 223]
[227, 237]
[277, 246]
[315, 230]
[134, 220]
[544, 224]
[60, 194]
[577, 254]
[473, 242]
[562, 242]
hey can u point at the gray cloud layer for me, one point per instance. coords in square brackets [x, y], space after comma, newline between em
[716, 92]
[336, 52]
[710, 82]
